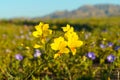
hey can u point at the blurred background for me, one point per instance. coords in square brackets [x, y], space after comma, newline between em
[31, 12]
[58, 9]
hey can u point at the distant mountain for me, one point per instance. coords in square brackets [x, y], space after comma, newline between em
[87, 11]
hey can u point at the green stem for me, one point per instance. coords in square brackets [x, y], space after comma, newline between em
[66, 68]
[33, 72]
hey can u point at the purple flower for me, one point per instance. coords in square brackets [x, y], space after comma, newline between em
[102, 46]
[110, 58]
[91, 55]
[19, 57]
[116, 48]
[37, 53]
[110, 44]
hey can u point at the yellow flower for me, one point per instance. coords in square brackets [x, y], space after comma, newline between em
[72, 38]
[39, 27]
[71, 35]
[68, 28]
[42, 30]
[56, 55]
[104, 39]
[73, 44]
[37, 46]
[64, 50]
[27, 47]
[38, 31]
[60, 46]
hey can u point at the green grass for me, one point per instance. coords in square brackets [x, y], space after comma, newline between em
[18, 39]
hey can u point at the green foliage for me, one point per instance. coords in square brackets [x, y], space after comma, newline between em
[18, 39]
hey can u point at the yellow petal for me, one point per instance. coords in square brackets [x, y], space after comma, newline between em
[43, 41]
[73, 50]
[38, 28]
[64, 50]
[56, 55]
[41, 24]
[66, 28]
[79, 43]
[50, 31]
[27, 47]
[71, 30]
[36, 33]
[45, 27]
[54, 46]
[71, 35]
[75, 43]
[59, 43]
[62, 45]
[57, 40]
[37, 46]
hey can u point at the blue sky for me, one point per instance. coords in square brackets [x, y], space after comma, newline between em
[37, 8]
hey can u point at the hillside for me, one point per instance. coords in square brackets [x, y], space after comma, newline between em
[87, 11]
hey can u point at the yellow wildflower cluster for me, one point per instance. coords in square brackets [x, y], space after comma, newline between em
[60, 45]
[72, 38]
[63, 44]
[42, 31]
[69, 41]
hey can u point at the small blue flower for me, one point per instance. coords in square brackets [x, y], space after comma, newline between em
[37, 53]
[110, 58]
[102, 46]
[116, 48]
[110, 44]
[91, 55]
[19, 57]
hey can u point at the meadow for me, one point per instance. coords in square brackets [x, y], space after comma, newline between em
[60, 49]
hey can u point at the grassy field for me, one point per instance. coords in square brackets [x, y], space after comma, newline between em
[58, 51]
